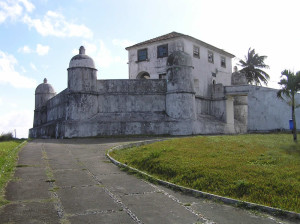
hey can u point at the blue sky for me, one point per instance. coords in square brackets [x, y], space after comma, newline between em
[39, 37]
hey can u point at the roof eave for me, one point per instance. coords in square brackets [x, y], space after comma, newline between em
[187, 37]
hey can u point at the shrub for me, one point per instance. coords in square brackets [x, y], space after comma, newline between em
[6, 136]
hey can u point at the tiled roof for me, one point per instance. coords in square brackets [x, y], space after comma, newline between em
[163, 37]
[175, 35]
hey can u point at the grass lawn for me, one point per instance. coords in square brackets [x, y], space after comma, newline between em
[259, 168]
[8, 156]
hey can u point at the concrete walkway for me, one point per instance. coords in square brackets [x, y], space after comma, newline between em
[71, 181]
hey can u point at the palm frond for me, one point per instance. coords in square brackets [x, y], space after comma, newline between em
[290, 84]
[252, 68]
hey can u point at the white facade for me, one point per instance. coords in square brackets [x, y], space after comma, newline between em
[205, 73]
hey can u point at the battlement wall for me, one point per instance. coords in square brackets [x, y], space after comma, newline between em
[131, 96]
[56, 106]
[131, 86]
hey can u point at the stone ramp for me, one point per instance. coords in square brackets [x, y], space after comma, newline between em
[72, 181]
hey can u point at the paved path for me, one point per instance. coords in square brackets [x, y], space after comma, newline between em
[71, 181]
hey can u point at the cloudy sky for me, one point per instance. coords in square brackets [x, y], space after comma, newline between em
[39, 37]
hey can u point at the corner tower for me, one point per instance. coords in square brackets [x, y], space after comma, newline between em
[240, 101]
[82, 88]
[43, 93]
[180, 99]
[82, 74]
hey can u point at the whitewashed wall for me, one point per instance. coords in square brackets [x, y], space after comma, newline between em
[266, 112]
[202, 72]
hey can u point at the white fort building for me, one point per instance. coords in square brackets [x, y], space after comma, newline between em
[178, 85]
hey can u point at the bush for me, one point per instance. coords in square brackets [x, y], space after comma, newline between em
[6, 136]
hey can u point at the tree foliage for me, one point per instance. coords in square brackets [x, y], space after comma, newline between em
[252, 68]
[6, 136]
[290, 85]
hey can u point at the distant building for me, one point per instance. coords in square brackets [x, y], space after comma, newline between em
[211, 65]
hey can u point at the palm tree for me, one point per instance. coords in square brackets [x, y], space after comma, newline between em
[252, 68]
[290, 85]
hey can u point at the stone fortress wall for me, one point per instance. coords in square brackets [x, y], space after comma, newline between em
[91, 107]
[267, 112]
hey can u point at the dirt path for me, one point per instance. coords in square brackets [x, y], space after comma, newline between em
[71, 181]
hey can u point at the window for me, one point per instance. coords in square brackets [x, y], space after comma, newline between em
[162, 76]
[142, 54]
[210, 57]
[162, 51]
[214, 74]
[196, 52]
[223, 62]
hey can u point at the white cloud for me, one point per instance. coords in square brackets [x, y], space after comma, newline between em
[28, 5]
[75, 51]
[122, 43]
[13, 9]
[25, 50]
[19, 120]
[8, 74]
[23, 69]
[42, 50]
[33, 66]
[55, 24]
[101, 55]
[13, 105]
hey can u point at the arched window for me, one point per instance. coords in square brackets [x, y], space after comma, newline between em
[143, 75]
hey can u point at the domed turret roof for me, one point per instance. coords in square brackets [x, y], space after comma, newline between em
[44, 88]
[82, 60]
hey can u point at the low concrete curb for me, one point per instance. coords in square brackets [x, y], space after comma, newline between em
[196, 193]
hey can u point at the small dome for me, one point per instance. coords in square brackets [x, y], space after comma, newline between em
[44, 88]
[82, 60]
[179, 58]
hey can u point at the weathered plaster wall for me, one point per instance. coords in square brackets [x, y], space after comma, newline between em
[154, 66]
[267, 112]
[81, 106]
[131, 96]
[56, 107]
[202, 72]
[82, 79]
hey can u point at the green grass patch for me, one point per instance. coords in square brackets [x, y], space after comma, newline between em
[8, 156]
[259, 168]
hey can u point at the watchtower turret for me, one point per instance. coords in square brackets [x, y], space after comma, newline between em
[82, 74]
[43, 93]
[180, 99]
[240, 102]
